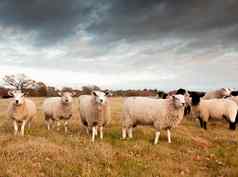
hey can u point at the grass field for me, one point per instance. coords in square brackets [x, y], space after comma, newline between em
[42, 153]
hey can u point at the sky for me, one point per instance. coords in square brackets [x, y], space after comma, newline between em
[121, 44]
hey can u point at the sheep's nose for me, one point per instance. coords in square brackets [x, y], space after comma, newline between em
[17, 101]
[101, 100]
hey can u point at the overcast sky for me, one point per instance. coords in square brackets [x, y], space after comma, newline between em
[164, 44]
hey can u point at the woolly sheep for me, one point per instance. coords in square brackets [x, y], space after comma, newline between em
[58, 108]
[214, 108]
[95, 112]
[221, 93]
[21, 110]
[233, 98]
[159, 113]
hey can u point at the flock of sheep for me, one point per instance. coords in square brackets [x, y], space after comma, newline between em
[161, 114]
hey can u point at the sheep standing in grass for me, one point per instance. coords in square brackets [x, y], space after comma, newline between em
[21, 110]
[221, 93]
[58, 108]
[214, 108]
[159, 113]
[95, 112]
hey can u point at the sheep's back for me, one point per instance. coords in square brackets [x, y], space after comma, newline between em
[144, 110]
[50, 105]
[87, 109]
[218, 108]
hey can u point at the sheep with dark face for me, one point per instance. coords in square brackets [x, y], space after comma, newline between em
[95, 112]
[21, 110]
[187, 109]
[214, 108]
[159, 113]
[196, 93]
[58, 109]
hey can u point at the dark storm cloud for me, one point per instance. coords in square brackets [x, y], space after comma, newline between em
[150, 19]
[126, 43]
[52, 20]
[111, 20]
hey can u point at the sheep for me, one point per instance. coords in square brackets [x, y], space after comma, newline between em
[233, 98]
[187, 109]
[158, 113]
[95, 112]
[58, 108]
[21, 110]
[221, 93]
[214, 108]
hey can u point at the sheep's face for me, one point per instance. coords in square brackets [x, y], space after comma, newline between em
[179, 101]
[18, 97]
[226, 92]
[66, 97]
[100, 97]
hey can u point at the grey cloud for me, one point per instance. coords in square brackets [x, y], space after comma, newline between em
[52, 20]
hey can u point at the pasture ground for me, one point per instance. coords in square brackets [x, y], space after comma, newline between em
[42, 153]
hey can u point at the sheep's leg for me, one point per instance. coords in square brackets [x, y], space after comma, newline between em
[93, 133]
[101, 132]
[47, 122]
[157, 134]
[204, 125]
[169, 136]
[29, 124]
[23, 127]
[66, 126]
[15, 127]
[123, 133]
[96, 132]
[88, 130]
[130, 134]
[58, 125]
[201, 122]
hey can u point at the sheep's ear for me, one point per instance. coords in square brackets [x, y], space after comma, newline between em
[93, 93]
[73, 93]
[224, 89]
[108, 93]
[10, 93]
[59, 93]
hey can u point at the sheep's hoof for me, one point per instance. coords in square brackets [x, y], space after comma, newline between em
[232, 126]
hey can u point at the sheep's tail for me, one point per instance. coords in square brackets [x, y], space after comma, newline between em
[233, 124]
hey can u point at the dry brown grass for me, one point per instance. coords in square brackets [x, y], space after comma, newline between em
[42, 153]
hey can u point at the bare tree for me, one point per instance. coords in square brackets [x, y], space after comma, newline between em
[19, 82]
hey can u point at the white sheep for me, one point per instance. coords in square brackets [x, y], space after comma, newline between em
[58, 108]
[221, 93]
[159, 113]
[95, 112]
[21, 110]
[233, 98]
[214, 108]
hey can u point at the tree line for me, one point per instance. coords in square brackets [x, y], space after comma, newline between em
[39, 89]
